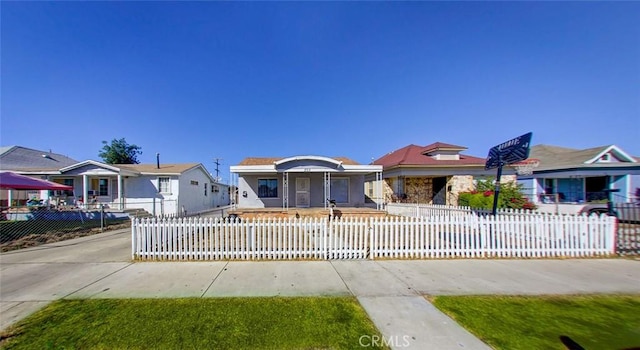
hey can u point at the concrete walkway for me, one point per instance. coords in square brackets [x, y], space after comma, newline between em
[392, 292]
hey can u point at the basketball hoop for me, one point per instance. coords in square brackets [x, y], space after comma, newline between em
[526, 166]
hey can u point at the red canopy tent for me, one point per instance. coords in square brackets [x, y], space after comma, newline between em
[13, 181]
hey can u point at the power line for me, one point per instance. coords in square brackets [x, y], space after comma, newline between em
[217, 163]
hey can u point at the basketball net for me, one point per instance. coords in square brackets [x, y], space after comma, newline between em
[526, 166]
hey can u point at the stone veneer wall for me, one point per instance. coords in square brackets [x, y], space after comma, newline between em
[419, 189]
[387, 190]
[458, 184]
[465, 183]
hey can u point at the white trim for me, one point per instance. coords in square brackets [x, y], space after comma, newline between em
[90, 162]
[252, 169]
[362, 168]
[296, 158]
[612, 148]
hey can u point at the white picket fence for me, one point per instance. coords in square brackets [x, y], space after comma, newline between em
[418, 210]
[451, 236]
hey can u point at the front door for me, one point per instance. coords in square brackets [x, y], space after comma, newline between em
[439, 190]
[302, 192]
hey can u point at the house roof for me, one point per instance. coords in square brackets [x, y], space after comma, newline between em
[20, 158]
[271, 160]
[555, 157]
[153, 169]
[414, 155]
[441, 146]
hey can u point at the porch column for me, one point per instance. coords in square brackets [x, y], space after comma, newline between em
[379, 188]
[233, 193]
[9, 197]
[85, 190]
[285, 190]
[327, 189]
[120, 199]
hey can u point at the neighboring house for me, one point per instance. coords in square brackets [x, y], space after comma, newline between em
[433, 174]
[582, 175]
[29, 162]
[302, 181]
[160, 189]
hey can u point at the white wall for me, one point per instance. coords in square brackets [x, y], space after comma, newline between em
[251, 200]
[192, 196]
[142, 192]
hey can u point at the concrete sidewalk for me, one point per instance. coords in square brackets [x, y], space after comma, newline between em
[390, 291]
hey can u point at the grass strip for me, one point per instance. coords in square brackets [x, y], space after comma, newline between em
[538, 322]
[195, 323]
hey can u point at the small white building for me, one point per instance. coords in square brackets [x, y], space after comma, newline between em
[160, 189]
[165, 189]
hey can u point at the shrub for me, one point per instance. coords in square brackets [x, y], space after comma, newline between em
[464, 198]
[511, 196]
[479, 200]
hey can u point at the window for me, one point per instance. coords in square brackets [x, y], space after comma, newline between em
[340, 190]
[214, 188]
[206, 186]
[194, 182]
[103, 189]
[67, 182]
[605, 157]
[267, 188]
[164, 185]
[100, 187]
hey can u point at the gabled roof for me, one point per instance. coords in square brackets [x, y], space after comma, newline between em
[18, 158]
[616, 152]
[414, 155]
[272, 160]
[555, 157]
[90, 162]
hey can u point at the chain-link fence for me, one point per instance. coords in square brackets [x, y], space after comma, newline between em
[27, 226]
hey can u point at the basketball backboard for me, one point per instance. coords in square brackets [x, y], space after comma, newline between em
[512, 151]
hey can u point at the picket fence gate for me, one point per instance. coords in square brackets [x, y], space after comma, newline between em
[459, 236]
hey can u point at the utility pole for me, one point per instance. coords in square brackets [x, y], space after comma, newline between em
[217, 163]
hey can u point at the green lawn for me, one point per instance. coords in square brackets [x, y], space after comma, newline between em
[520, 322]
[202, 323]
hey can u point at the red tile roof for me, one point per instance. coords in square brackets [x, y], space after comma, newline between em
[413, 155]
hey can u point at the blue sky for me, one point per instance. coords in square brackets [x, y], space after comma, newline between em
[195, 81]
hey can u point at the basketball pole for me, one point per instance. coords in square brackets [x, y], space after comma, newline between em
[496, 193]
